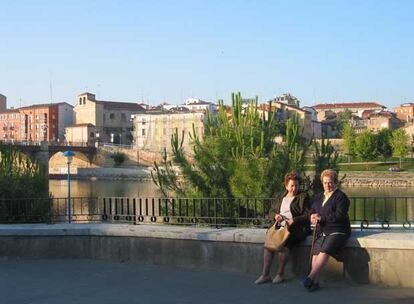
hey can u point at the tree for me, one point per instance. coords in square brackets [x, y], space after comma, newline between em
[384, 143]
[324, 157]
[22, 179]
[365, 146]
[237, 157]
[348, 135]
[400, 142]
[342, 119]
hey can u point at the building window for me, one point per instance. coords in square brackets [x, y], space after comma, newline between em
[84, 100]
[143, 132]
[123, 116]
[53, 116]
[92, 135]
[80, 100]
[112, 116]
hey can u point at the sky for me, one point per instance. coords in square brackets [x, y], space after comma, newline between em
[166, 51]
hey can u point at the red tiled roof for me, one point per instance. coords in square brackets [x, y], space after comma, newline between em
[347, 105]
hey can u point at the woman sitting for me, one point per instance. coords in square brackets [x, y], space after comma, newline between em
[329, 213]
[291, 208]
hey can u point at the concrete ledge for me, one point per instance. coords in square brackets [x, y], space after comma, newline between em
[370, 256]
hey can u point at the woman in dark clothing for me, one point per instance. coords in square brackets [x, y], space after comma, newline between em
[330, 211]
[290, 207]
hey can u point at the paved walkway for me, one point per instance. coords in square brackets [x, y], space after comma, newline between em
[91, 281]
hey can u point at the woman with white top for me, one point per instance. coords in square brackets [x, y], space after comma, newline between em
[290, 207]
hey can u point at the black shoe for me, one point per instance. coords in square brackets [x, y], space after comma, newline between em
[307, 283]
[314, 287]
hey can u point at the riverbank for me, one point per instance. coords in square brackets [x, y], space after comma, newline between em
[372, 179]
[377, 179]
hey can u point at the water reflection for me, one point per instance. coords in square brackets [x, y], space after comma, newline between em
[119, 188]
[103, 188]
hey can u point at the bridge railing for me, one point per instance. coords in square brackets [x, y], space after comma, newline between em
[50, 143]
[364, 212]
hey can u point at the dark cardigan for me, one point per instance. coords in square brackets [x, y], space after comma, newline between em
[299, 208]
[334, 214]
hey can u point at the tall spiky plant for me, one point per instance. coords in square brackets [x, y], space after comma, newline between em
[237, 157]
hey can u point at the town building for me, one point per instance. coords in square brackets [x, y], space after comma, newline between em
[102, 121]
[288, 99]
[405, 112]
[383, 120]
[355, 107]
[153, 130]
[195, 104]
[39, 122]
[3, 103]
[284, 111]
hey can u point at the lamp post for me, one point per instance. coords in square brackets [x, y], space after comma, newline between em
[69, 155]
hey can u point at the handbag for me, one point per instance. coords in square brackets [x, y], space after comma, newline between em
[276, 237]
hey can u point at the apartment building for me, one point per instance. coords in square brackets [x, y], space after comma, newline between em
[39, 122]
[153, 130]
[405, 112]
[355, 107]
[284, 111]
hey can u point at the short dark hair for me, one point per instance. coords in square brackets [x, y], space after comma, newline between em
[291, 176]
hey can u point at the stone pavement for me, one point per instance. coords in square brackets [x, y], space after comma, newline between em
[95, 281]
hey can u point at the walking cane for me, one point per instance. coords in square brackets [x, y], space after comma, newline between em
[313, 243]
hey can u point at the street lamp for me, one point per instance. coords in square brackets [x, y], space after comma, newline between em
[69, 155]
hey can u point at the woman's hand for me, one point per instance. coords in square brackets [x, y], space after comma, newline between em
[278, 218]
[315, 217]
[290, 222]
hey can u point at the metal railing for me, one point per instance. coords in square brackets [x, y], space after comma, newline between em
[364, 212]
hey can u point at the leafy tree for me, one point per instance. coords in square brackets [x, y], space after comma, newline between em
[21, 179]
[348, 135]
[365, 146]
[119, 158]
[342, 119]
[384, 143]
[400, 142]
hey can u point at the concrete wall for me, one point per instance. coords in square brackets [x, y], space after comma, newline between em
[380, 258]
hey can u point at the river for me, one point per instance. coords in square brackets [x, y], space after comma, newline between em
[120, 188]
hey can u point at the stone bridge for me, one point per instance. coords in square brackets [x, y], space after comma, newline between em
[42, 152]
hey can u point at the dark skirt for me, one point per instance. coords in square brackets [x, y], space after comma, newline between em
[330, 244]
[296, 236]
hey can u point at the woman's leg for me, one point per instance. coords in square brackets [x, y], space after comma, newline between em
[318, 263]
[267, 261]
[283, 256]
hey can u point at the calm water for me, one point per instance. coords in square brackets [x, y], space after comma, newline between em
[117, 188]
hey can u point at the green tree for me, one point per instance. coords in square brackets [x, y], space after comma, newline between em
[342, 119]
[21, 179]
[348, 135]
[400, 144]
[365, 146]
[324, 157]
[384, 143]
[237, 157]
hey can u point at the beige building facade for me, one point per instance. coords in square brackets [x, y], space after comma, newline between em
[102, 121]
[153, 131]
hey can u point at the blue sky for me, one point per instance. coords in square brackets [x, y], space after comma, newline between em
[320, 51]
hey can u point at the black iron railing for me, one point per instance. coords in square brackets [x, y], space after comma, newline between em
[364, 212]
